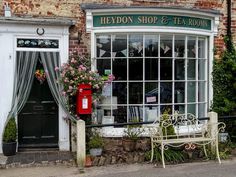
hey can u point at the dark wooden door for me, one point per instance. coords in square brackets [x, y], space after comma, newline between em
[38, 120]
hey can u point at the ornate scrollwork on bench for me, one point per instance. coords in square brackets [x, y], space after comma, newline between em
[184, 130]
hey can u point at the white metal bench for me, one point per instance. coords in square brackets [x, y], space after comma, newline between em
[189, 132]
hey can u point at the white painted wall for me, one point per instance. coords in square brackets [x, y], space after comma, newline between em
[8, 35]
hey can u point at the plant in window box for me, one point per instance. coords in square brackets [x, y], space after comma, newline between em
[95, 143]
[9, 138]
[131, 135]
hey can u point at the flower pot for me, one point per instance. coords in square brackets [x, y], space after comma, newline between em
[9, 149]
[88, 161]
[128, 145]
[95, 151]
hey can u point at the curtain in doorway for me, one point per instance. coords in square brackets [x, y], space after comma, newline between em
[50, 61]
[25, 66]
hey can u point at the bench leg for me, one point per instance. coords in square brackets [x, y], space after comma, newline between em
[152, 153]
[162, 155]
[217, 151]
[205, 152]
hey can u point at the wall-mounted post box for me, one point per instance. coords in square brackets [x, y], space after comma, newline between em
[84, 99]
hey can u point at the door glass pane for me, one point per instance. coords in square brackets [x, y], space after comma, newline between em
[179, 69]
[151, 69]
[120, 68]
[151, 45]
[103, 46]
[166, 69]
[119, 45]
[136, 69]
[179, 46]
[151, 93]
[120, 91]
[135, 92]
[191, 47]
[201, 91]
[201, 48]
[104, 67]
[166, 92]
[179, 92]
[135, 45]
[191, 65]
[201, 69]
[191, 87]
[166, 46]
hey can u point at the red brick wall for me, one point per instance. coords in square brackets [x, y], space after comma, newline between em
[71, 8]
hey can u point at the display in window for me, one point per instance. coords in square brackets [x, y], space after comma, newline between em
[103, 46]
[119, 66]
[191, 47]
[166, 46]
[119, 45]
[135, 45]
[136, 69]
[179, 46]
[151, 45]
[151, 69]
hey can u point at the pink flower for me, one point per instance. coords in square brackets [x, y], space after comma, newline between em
[56, 68]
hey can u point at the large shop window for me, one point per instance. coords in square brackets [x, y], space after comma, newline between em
[154, 73]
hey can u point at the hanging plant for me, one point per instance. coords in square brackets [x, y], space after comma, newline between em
[40, 75]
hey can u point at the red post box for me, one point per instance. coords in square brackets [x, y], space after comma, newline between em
[84, 99]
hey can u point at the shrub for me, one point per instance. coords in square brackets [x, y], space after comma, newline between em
[95, 141]
[10, 131]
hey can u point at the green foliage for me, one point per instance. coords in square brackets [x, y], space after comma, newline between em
[133, 132]
[170, 155]
[10, 131]
[170, 129]
[95, 141]
[224, 83]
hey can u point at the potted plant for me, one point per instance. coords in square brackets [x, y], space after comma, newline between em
[131, 135]
[9, 138]
[95, 144]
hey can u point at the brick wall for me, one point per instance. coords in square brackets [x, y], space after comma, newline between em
[71, 8]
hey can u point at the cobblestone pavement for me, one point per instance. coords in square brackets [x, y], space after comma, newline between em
[200, 169]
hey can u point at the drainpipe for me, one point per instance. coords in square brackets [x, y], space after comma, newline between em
[229, 34]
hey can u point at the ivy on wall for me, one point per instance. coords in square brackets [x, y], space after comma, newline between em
[224, 83]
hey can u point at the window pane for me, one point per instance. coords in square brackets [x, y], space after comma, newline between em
[179, 46]
[135, 45]
[151, 69]
[120, 68]
[201, 48]
[179, 92]
[201, 69]
[151, 93]
[201, 91]
[151, 113]
[104, 67]
[120, 91]
[135, 113]
[179, 69]
[119, 45]
[103, 46]
[166, 69]
[166, 109]
[166, 92]
[191, 47]
[191, 108]
[201, 110]
[180, 109]
[120, 114]
[136, 69]
[191, 87]
[136, 93]
[151, 45]
[166, 46]
[191, 64]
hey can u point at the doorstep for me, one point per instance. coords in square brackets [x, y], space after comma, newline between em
[37, 158]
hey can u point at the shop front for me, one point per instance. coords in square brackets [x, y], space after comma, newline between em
[161, 59]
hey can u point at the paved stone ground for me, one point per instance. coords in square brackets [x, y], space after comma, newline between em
[26, 159]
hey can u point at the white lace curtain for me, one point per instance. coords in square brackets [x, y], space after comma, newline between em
[25, 67]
